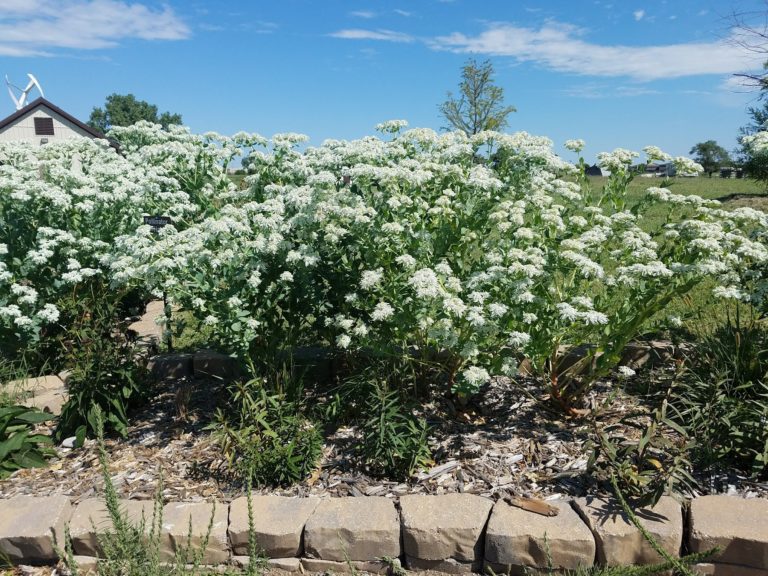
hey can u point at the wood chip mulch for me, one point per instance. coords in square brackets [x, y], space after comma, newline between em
[504, 442]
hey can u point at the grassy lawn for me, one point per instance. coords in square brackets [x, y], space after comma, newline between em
[700, 312]
[715, 188]
[731, 192]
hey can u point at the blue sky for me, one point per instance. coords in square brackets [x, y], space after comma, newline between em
[617, 73]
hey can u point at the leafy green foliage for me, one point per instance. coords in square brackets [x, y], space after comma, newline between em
[125, 109]
[711, 156]
[649, 466]
[480, 103]
[264, 437]
[394, 440]
[20, 447]
[754, 162]
[103, 370]
[723, 401]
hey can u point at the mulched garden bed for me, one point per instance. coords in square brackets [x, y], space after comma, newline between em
[504, 440]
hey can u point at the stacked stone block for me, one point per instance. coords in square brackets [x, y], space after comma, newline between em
[455, 533]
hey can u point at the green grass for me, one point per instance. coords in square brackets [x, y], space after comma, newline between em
[700, 312]
[714, 188]
[731, 192]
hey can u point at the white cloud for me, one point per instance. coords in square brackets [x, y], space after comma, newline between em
[561, 47]
[384, 35]
[39, 27]
[367, 14]
[403, 13]
[638, 14]
[599, 91]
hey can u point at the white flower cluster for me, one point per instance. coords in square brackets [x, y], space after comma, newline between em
[396, 244]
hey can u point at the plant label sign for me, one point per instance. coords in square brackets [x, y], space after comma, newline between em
[157, 222]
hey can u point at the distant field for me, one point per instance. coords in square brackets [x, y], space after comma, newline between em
[731, 192]
[700, 312]
[714, 188]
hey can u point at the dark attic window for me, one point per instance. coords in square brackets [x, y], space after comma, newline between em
[44, 126]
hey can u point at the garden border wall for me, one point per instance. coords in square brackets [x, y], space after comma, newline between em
[453, 533]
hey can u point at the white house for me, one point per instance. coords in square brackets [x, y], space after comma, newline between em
[41, 122]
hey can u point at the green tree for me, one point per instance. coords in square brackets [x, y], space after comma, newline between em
[711, 156]
[124, 110]
[480, 103]
[754, 165]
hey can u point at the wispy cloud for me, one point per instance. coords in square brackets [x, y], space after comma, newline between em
[596, 91]
[44, 27]
[383, 35]
[403, 13]
[367, 14]
[260, 27]
[561, 47]
[638, 14]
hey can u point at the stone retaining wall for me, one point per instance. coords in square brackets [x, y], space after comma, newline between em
[455, 533]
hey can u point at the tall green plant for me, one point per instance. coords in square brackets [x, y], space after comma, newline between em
[130, 548]
[723, 399]
[264, 437]
[103, 369]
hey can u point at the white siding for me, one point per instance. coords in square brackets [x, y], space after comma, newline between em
[24, 128]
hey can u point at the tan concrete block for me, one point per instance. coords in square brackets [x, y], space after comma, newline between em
[738, 525]
[278, 524]
[519, 538]
[170, 366]
[177, 518]
[346, 567]
[87, 565]
[47, 393]
[47, 401]
[282, 564]
[709, 569]
[446, 566]
[90, 517]
[210, 364]
[620, 543]
[37, 385]
[353, 528]
[447, 526]
[147, 330]
[285, 564]
[28, 525]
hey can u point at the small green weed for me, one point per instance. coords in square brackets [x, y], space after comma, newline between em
[265, 438]
[133, 549]
[394, 440]
[647, 468]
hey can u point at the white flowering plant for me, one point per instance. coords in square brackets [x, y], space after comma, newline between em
[60, 206]
[420, 246]
[464, 253]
